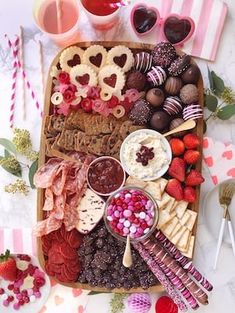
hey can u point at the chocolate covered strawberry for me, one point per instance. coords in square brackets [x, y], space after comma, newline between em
[194, 178]
[8, 269]
[174, 189]
[191, 141]
[177, 169]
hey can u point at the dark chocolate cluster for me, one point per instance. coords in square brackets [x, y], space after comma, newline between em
[101, 260]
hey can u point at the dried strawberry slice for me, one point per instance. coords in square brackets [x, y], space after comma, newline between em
[55, 267]
[59, 237]
[63, 231]
[69, 276]
[55, 258]
[61, 278]
[75, 269]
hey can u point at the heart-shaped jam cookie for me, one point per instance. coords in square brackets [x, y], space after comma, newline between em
[82, 75]
[178, 29]
[70, 58]
[96, 57]
[111, 78]
[122, 57]
[144, 19]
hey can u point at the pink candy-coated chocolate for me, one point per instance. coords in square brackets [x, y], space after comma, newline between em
[134, 218]
[16, 306]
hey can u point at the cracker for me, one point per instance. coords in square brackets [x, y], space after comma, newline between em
[154, 190]
[189, 252]
[164, 218]
[135, 182]
[181, 208]
[164, 201]
[177, 228]
[190, 223]
[184, 241]
[185, 218]
[168, 228]
[176, 238]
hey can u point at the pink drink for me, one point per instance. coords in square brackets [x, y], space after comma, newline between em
[63, 29]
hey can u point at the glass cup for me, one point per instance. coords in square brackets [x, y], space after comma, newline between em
[101, 14]
[58, 19]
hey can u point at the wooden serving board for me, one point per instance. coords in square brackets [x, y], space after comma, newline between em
[42, 159]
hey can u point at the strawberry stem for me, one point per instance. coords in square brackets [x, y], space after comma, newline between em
[5, 257]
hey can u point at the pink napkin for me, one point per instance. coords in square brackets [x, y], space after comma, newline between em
[219, 158]
[62, 299]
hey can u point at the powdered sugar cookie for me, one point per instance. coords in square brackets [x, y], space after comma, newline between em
[95, 56]
[111, 78]
[82, 75]
[71, 57]
[122, 57]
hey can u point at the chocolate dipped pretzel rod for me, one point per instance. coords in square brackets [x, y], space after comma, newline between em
[161, 255]
[183, 260]
[154, 267]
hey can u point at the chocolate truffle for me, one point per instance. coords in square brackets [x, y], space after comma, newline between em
[141, 112]
[159, 121]
[175, 123]
[163, 54]
[179, 65]
[191, 75]
[172, 105]
[192, 112]
[143, 61]
[173, 85]
[189, 94]
[155, 97]
[156, 76]
[136, 80]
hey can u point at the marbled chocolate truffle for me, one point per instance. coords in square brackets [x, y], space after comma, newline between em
[136, 80]
[191, 75]
[163, 54]
[159, 121]
[141, 112]
[189, 94]
[173, 85]
[172, 105]
[179, 65]
[143, 61]
[155, 97]
[175, 123]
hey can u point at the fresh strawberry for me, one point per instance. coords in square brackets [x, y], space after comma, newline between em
[177, 146]
[8, 269]
[190, 194]
[177, 169]
[191, 156]
[174, 189]
[194, 178]
[191, 141]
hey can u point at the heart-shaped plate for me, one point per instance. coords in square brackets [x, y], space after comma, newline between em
[144, 18]
[178, 29]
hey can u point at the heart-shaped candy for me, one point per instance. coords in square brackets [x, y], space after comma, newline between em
[178, 29]
[144, 19]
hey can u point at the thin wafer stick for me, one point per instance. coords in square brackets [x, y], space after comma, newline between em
[41, 64]
[59, 16]
[21, 57]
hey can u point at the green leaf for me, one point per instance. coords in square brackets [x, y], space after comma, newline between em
[93, 293]
[15, 173]
[6, 153]
[226, 112]
[211, 102]
[210, 79]
[8, 145]
[218, 84]
[32, 170]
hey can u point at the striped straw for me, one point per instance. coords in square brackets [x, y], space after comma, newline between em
[28, 85]
[14, 82]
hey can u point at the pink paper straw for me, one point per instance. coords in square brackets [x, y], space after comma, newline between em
[28, 85]
[14, 82]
